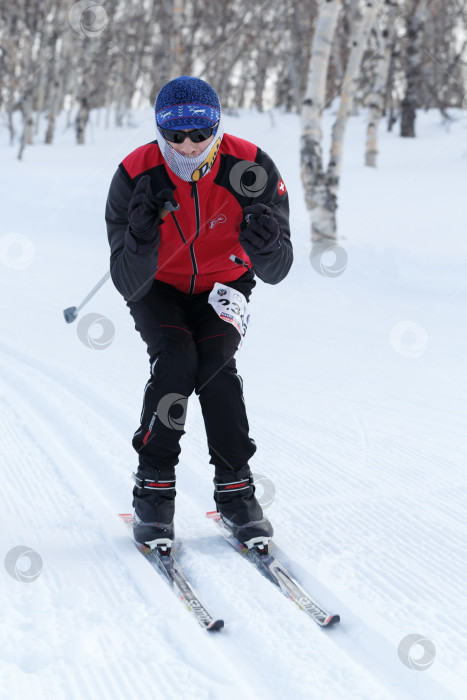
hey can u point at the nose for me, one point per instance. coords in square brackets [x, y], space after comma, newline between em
[187, 148]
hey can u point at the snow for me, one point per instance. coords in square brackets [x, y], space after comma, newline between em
[355, 388]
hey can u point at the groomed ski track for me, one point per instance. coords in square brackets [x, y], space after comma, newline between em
[362, 431]
[99, 598]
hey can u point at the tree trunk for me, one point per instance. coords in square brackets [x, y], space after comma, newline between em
[176, 31]
[28, 123]
[54, 92]
[81, 120]
[348, 91]
[409, 103]
[318, 199]
[388, 97]
[376, 101]
[288, 52]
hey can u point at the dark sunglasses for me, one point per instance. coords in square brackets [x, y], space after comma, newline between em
[195, 135]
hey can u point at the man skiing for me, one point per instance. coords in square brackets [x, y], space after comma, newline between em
[191, 219]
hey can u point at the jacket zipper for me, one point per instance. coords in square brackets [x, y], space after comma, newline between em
[194, 194]
[178, 227]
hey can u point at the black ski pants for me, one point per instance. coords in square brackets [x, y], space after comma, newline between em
[190, 348]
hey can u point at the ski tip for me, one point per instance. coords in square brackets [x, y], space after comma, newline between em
[215, 626]
[332, 620]
[213, 515]
[126, 517]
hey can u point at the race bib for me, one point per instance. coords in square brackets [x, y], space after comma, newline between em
[230, 305]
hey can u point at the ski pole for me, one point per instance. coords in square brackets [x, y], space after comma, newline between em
[72, 312]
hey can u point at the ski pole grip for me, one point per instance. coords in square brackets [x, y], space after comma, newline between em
[168, 208]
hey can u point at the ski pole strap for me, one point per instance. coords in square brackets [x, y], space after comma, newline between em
[154, 484]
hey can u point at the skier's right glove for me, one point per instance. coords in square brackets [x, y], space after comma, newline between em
[145, 209]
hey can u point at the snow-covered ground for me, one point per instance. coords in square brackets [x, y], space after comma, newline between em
[356, 391]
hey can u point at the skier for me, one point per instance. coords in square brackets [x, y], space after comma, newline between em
[191, 218]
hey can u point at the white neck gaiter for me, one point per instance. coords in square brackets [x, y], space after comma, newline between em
[191, 169]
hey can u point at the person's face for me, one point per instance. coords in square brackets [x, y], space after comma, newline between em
[190, 149]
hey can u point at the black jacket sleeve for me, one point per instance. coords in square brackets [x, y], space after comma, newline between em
[274, 266]
[133, 263]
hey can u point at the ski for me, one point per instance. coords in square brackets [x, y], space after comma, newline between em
[278, 574]
[165, 564]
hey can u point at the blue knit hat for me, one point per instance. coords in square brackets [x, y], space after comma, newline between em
[187, 103]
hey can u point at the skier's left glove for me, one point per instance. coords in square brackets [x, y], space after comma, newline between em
[262, 232]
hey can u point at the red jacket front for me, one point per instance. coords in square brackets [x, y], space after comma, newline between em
[194, 245]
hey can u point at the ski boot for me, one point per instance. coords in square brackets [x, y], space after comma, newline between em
[154, 504]
[239, 509]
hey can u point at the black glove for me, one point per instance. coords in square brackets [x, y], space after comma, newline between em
[262, 233]
[144, 209]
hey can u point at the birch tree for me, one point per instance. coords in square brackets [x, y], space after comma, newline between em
[63, 55]
[321, 187]
[385, 38]
[319, 200]
[349, 88]
[54, 93]
[412, 72]
[282, 20]
[31, 65]
[176, 48]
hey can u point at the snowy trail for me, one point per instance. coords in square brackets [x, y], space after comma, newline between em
[75, 462]
[69, 478]
[365, 445]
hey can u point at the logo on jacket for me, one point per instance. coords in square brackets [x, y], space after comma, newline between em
[207, 164]
[221, 292]
[221, 219]
[281, 188]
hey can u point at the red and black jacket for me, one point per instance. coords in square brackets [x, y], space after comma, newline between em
[191, 249]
